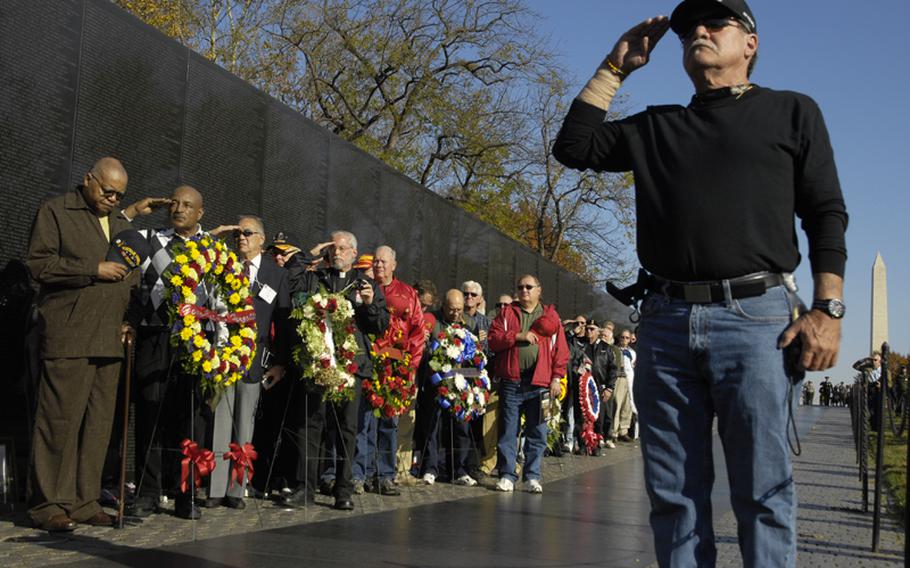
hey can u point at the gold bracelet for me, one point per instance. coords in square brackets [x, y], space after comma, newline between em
[614, 69]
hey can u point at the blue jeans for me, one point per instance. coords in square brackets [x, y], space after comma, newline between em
[371, 430]
[515, 399]
[696, 361]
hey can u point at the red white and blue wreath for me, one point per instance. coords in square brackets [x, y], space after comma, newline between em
[460, 377]
[589, 398]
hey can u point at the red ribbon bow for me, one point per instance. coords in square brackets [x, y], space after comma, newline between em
[243, 461]
[203, 461]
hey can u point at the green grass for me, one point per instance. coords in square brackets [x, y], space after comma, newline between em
[895, 470]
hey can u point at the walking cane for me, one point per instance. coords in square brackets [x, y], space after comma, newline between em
[124, 442]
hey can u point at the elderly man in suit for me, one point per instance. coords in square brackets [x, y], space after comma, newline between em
[81, 306]
[236, 411]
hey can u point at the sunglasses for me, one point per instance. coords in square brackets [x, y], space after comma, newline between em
[713, 25]
[111, 194]
[247, 233]
[471, 294]
[501, 305]
[526, 286]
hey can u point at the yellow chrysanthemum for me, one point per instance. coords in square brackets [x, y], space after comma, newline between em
[186, 291]
[199, 340]
[181, 259]
[236, 284]
[229, 277]
[186, 334]
[197, 355]
[219, 269]
[189, 319]
[207, 366]
[176, 280]
[236, 341]
[185, 270]
[235, 298]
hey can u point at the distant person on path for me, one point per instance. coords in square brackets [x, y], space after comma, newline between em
[718, 184]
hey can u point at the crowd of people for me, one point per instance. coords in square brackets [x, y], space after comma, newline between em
[723, 334]
[89, 303]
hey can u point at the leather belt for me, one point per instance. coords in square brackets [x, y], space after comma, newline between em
[713, 291]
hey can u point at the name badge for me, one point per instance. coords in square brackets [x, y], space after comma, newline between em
[267, 293]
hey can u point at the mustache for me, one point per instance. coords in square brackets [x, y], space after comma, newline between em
[702, 42]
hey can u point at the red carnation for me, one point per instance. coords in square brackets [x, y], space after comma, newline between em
[366, 385]
[457, 342]
[442, 335]
[249, 300]
[244, 361]
[443, 391]
[326, 363]
[350, 328]
[332, 305]
[321, 326]
[389, 411]
[457, 408]
[351, 368]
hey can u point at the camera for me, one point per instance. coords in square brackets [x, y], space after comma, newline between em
[361, 283]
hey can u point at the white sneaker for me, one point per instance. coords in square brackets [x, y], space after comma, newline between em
[505, 485]
[429, 478]
[610, 444]
[466, 480]
[534, 486]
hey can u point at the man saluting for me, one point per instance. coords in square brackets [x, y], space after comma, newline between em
[718, 183]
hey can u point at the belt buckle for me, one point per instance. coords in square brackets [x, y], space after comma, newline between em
[697, 293]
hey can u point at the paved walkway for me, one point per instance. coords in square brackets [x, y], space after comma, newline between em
[576, 522]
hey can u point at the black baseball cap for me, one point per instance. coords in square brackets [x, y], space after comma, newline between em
[129, 248]
[689, 11]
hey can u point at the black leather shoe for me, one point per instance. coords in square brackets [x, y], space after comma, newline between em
[186, 509]
[142, 508]
[388, 487]
[234, 503]
[208, 502]
[298, 498]
[344, 504]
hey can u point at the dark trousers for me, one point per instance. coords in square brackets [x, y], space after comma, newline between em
[316, 416]
[277, 461]
[454, 433]
[169, 408]
[76, 400]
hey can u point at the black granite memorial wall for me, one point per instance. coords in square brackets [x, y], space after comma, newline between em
[80, 79]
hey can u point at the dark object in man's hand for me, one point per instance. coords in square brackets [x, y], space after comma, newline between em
[361, 283]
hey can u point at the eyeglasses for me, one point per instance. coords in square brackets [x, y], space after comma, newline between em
[248, 233]
[501, 305]
[471, 294]
[111, 194]
[591, 328]
[712, 25]
[526, 286]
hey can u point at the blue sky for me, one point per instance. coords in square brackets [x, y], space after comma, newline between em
[849, 57]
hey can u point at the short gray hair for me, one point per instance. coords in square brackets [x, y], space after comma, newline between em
[472, 284]
[392, 252]
[255, 219]
[347, 235]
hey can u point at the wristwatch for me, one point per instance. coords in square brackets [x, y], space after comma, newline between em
[834, 307]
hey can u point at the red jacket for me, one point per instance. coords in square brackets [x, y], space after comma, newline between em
[553, 351]
[403, 304]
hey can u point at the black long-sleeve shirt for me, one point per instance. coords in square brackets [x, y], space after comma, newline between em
[717, 183]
